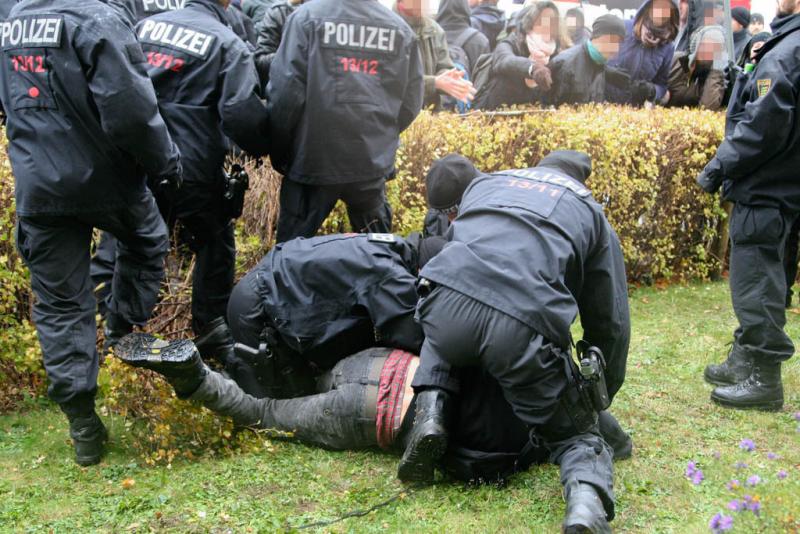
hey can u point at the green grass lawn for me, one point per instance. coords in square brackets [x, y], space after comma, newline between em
[664, 404]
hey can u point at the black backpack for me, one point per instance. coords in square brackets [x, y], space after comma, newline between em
[459, 55]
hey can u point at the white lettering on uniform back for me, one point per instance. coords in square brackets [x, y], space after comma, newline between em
[168, 34]
[355, 36]
[33, 31]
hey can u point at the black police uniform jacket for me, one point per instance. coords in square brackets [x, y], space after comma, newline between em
[535, 245]
[207, 86]
[314, 289]
[759, 160]
[346, 80]
[5, 8]
[83, 121]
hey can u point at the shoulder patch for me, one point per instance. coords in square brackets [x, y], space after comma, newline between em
[763, 86]
[32, 31]
[176, 36]
[381, 238]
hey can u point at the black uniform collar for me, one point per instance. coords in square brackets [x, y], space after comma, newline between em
[781, 27]
[211, 5]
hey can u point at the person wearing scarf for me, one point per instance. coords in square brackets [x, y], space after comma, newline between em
[646, 53]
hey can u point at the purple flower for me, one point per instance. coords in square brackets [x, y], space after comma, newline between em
[697, 477]
[755, 507]
[691, 468]
[720, 523]
[747, 445]
[740, 465]
[772, 456]
[797, 417]
[753, 480]
[733, 484]
[736, 505]
[782, 474]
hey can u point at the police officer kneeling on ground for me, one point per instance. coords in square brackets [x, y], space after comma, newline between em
[757, 166]
[529, 251]
[83, 128]
[346, 80]
[311, 302]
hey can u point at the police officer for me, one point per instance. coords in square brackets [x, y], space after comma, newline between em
[83, 128]
[5, 8]
[346, 80]
[445, 183]
[207, 86]
[315, 301]
[529, 250]
[756, 166]
[134, 11]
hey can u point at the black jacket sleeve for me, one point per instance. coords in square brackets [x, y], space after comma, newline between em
[287, 88]
[391, 305]
[505, 61]
[269, 39]
[244, 115]
[756, 139]
[603, 307]
[412, 100]
[124, 96]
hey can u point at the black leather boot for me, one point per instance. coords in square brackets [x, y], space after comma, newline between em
[115, 329]
[427, 440]
[612, 433]
[585, 512]
[89, 436]
[178, 362]
[733, 370]
[216, 342]
[762, 390]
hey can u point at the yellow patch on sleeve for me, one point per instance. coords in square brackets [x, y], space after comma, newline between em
[763, 87]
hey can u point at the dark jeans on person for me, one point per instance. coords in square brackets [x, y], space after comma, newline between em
[56, 249]
[305, 207]
[758, 280]
[534, 374]
[207, 232]
[342, 416]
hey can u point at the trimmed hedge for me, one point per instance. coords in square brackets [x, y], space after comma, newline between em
[645, 162]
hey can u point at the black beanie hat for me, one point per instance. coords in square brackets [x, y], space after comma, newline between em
[574, 164]
[448, 179]
[741, 15]
[608, 25]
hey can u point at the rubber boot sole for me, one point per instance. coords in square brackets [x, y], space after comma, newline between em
[140, 350]
[769, 406]
[418, 467]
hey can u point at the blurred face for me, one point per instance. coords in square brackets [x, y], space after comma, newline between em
[660, 12]
[608, 45]
[572, 24]
[473, 3]
[547, 25]
[756, 27]
[709, 51]
[414, 8]
[225, 3]
[735, 26]
[683, 10]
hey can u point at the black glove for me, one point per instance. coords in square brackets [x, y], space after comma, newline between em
[618, 78]
[643, 91]
[710, 183]
[170, 183]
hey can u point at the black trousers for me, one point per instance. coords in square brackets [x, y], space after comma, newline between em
[305, 207]
[533, 374]
[790, 257]
[758, 280]
[56, 249]
[204, 228]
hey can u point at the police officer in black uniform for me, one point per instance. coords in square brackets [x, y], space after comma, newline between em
[207, 86]
[83, 129]
[315, 301]
[346, 80]
[756, 166]
[529, 251]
